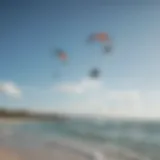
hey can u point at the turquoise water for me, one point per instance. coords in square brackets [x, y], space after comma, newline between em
[140, 138]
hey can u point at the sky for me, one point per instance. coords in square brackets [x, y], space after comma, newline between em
[129, 82]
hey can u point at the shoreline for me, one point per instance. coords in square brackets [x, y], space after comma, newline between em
[56, 152]
[17, 120]
[26, 119]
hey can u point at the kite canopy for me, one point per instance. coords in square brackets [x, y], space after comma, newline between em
[61, 55]
[94, 73]
[107, 48]
[99, 37]
[102, 38]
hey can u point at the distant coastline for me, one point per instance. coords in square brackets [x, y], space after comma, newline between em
[21, 115]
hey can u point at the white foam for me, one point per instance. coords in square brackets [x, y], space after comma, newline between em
[127, 152]
[90, 153]
[99, 156]
[99, 153]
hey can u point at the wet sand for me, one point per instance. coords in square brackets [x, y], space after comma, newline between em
[57, 153]
[9, 150]
[62, 152]
[15, 145]
[40, 154]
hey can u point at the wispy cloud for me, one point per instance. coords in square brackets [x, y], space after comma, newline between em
[114, 103]
[10, 89]
[125, 103]
[79, 87]
[93, 98]
[98, 99]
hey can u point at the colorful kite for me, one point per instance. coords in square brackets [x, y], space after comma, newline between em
[103, 39]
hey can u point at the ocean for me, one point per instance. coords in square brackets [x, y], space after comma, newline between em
[101, 139]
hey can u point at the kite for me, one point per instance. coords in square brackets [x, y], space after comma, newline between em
[102, 38]
[62, 56]
[94, 73]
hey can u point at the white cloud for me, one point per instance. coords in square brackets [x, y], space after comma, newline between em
[125, 103]
[124, 99]
[79, 87]
[103, 101]
[115, 103]
[95, 98]
[10, 89]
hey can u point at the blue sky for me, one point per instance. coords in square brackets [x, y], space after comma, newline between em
[31, 30]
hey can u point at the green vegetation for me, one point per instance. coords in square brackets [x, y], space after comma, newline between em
[22, 114]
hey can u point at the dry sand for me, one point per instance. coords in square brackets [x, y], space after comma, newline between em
[7, 154]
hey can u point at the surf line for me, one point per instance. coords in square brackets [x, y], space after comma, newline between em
[89, 153]
[126, 151]
[98, 156]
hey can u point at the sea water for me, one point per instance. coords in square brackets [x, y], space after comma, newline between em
[102, 139]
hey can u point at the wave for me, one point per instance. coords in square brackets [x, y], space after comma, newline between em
[109, 151]
[113, 131]
[140, 139]
[73, 147]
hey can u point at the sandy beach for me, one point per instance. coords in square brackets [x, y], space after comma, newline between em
[11, 121]
[8, 154]
[40, 154]
[57, 153]
[43, 141]
[53, 152]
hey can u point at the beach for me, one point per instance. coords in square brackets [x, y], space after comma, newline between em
[24, 146]
[79, 140]
[8, 154]
[40, 154]
[12, 120]
[58, 152]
